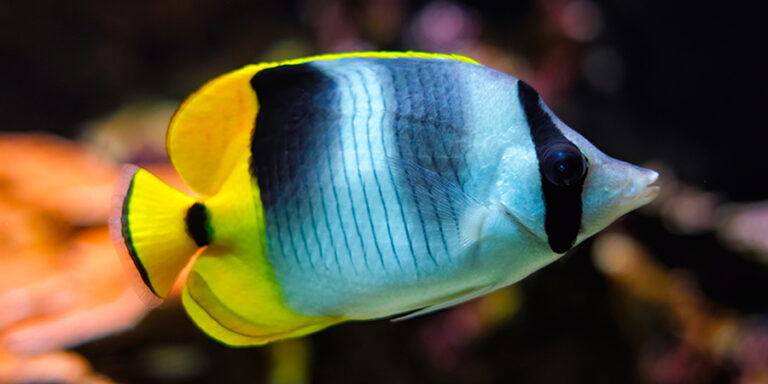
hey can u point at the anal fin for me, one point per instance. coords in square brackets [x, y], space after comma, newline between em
[449, 302]
[235, 299]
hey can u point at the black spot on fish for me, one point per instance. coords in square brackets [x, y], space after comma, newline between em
[197, 224]
[562, 180]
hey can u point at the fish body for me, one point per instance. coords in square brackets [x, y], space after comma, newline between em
[361, 186]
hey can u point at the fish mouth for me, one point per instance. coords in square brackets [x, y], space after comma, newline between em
[643, 189]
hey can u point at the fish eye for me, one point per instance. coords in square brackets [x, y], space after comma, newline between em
[564, 165]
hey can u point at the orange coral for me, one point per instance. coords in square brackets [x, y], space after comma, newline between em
[61, 283]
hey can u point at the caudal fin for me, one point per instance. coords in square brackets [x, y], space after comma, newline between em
[149, 226]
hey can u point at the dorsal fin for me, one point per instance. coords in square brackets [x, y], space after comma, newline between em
[211, 129]
[209, 132]
[375, 55]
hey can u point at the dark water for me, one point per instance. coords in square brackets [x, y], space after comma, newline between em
[691, 94]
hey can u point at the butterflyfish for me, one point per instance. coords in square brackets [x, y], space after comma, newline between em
[361, 186]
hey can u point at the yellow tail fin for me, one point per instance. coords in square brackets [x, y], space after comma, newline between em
[157, 229]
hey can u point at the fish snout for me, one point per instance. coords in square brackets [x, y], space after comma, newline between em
[639, 188]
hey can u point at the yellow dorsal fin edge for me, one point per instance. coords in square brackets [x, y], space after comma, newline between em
[371, 54]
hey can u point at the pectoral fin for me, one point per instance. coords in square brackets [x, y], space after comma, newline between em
[439, 202]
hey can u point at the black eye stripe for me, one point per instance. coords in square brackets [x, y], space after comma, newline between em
[563, 209]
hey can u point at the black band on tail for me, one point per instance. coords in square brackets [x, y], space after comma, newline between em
[126, 232]
[197, 224]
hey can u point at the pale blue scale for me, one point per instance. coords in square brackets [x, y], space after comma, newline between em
[370, 230]
[408, 183]
[369, 256]
[503, 154]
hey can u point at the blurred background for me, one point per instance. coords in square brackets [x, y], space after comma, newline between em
[674, 293]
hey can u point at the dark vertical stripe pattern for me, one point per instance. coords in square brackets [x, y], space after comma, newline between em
[126, 232]
[429, 132]
[291, 137]
[563, 208]
[320, 203]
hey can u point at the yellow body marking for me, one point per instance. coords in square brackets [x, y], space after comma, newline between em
[232, 292]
